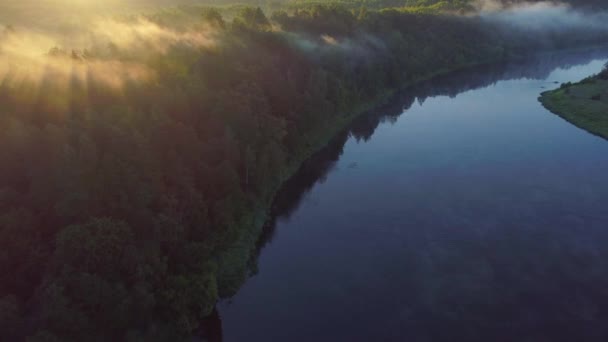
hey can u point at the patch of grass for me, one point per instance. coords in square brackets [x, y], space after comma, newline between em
[584, 104]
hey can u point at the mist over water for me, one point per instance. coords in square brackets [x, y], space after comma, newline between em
[87, 47]
[544, 16]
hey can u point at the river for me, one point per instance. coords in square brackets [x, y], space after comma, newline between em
[461, 211]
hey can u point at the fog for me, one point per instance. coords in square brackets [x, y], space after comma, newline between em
[105, 53]
[55, 41]
[542, 16]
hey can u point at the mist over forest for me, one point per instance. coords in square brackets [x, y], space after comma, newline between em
[142, 141]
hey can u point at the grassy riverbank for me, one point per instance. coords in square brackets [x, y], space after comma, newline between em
[584, 104]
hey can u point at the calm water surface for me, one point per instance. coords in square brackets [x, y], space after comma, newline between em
[465, 212]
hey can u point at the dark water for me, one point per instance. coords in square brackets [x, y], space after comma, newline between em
[463, 211]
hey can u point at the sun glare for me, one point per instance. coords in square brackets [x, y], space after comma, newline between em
[101, 50]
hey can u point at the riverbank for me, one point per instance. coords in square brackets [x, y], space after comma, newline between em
[233, 263]
[323, 255]
[177, 172]
[583, 104]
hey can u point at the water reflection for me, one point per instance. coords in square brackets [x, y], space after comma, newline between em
[454, 269]
[316, 168]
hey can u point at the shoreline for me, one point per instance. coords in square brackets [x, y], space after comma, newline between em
[231, 278]
[245, 244]
[583, 104]
[564, 114]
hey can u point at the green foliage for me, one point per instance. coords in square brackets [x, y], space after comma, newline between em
[190, 297]
[584, 104]
[131, 210]
[102, 246]
[252, 19]
[418, 6]
[603, 75]
[213, 17]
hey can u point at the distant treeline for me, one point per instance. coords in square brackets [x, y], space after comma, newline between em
[437, 5]
[129, 205]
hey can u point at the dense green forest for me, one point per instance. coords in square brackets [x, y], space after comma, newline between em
[136, 173]
[52, 14]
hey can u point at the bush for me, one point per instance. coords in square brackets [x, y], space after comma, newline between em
[603, 75]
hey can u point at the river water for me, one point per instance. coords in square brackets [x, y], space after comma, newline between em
[461, 211]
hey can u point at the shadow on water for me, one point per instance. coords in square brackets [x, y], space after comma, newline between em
[319, 166]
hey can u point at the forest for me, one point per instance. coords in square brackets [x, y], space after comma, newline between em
[137, 170]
